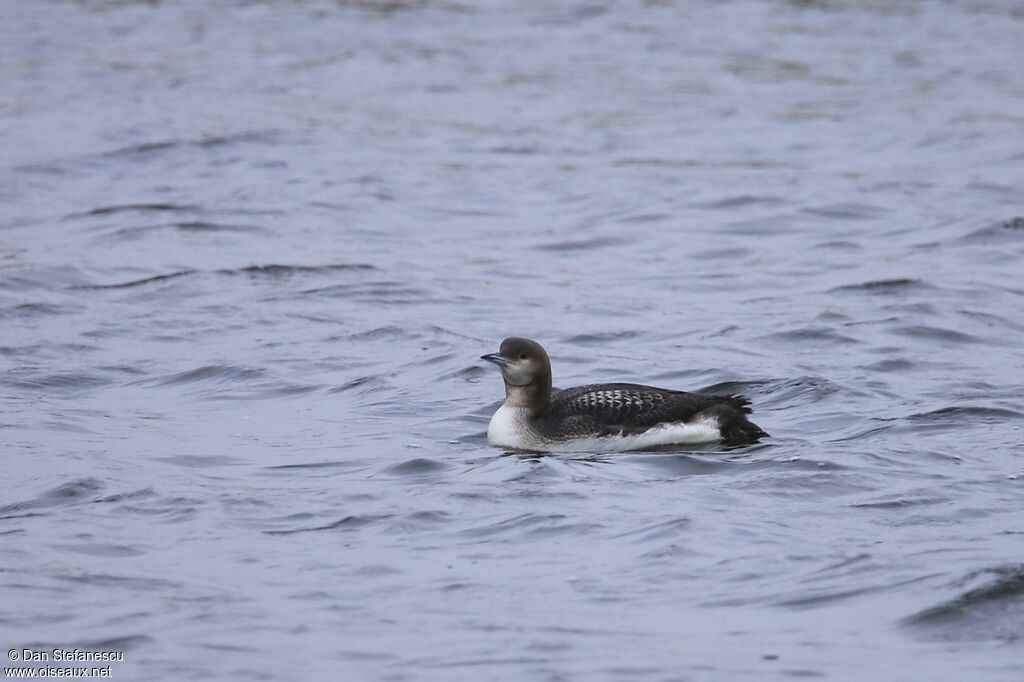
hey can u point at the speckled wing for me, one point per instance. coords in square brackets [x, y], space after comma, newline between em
[629, 405]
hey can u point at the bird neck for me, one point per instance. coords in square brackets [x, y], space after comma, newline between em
[534, 396]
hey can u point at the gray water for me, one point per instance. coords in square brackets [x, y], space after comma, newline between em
[251, 252]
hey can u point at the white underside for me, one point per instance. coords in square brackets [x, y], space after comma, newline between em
[509, 428]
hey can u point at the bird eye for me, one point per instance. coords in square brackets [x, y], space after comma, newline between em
[522, 356]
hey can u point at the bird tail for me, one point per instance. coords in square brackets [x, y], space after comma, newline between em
[733, 424]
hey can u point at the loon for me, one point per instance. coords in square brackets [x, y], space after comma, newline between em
[604, 417]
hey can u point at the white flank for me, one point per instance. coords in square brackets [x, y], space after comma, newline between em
[509, 428]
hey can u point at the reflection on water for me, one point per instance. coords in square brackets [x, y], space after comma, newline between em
[249, 256]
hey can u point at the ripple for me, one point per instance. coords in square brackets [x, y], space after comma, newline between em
[531, 525]
[380, 291]
[679, 465]
[935, 334]
[33, 310]
[120, 643]
[419, 522]
[992, 611]
[640, 218]
[891, 365]
[72, 492]
[221, 374]
[39, 278]
[272, 270]
[766, 225]
[847, 211]
[60, 382]
[580, 244]
[738, 201]
[793, 391]
[124, 582]
[885, 286]
[387, 332]
[812, 335]
[419, 466]
[200, 461]
[115, 551]
[593, 339]
[141, 493]
[360, 385]
[147, 150]
[138, 282]
[990, 320]
[347, 523]
[153, 507]
[660, 530]
[728, 254]
[136, 208]
[280, 270]
[817, 598]
[231, 382]
[209, 226]
[195, 226]
[470, 374]
[317, 466]
[1002, 231]
[960, 414]
[839, 245]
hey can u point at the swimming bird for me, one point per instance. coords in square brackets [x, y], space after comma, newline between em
[604, 417]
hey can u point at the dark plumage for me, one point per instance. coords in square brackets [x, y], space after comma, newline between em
[624, 409]
[599, 410]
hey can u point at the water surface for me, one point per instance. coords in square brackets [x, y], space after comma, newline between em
[250, 253]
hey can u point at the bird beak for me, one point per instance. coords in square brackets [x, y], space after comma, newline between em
[496, 358]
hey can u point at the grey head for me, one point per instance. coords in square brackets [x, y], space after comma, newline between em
[526, 370]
